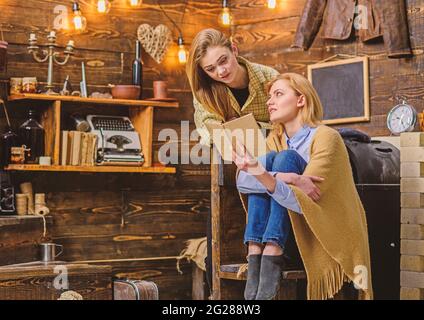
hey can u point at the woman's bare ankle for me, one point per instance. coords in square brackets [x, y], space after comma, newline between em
[272, 249]
[255, 248]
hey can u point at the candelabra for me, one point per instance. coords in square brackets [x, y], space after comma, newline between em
[51, 55]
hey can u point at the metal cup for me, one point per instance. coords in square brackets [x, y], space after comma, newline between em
[48, 251]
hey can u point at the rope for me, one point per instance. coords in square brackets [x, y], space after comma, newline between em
[40, 204]
[41, 210]
[70, 295]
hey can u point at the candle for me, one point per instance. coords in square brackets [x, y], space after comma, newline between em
[52, 34]
[32, 36]
[71, 43]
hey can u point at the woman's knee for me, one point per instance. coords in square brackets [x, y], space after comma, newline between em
[268, 160]
[285, 161]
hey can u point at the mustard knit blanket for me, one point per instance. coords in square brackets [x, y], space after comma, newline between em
[332, 234]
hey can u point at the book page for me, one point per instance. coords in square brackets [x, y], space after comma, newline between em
[243, 131]
[220, 140]
[246, 132]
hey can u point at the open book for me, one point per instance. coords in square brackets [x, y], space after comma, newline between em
[241, 132]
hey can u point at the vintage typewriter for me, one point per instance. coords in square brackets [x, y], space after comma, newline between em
[118, 141]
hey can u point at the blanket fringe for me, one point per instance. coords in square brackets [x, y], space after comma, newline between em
[328, 285]
[242, 270]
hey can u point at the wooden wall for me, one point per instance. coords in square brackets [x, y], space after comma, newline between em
[138, 223]
[265, 36]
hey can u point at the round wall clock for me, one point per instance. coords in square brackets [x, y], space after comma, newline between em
[402, 118]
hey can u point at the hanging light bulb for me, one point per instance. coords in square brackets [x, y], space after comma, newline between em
[80, 22]
[272, 4]
[182, 52]
[225, 17]
[135, 3]
[103, 6]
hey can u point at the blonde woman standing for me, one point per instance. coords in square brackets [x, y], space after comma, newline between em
[225, 85]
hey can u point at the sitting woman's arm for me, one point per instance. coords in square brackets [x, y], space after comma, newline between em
[266, 183]
[248, 183]
[253, 178]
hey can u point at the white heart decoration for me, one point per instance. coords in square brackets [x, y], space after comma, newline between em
[155, 41]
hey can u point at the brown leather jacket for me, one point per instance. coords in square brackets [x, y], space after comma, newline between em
[386, 18]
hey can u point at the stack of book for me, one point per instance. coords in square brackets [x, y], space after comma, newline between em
[78, 148]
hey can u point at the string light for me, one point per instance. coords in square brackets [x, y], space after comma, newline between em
[182, 52]
[272, 4]
[225, 17]
[103, 6]
[80, 22]
[135, 3]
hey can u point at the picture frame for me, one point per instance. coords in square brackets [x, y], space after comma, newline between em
[343, 88]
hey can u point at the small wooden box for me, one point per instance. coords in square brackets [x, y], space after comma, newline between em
[39, 281]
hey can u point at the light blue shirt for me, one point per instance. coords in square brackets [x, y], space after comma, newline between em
[300, 142]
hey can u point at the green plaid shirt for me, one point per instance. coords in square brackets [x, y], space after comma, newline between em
[259, 75]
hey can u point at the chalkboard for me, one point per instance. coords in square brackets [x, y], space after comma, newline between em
[343, 87]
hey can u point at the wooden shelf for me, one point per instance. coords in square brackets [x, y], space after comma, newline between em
[53, 111]
[118, 102]
[10, 220]
[140, 169]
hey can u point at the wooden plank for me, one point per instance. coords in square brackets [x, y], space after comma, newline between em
[411, 294]
[56, 138]
[198, 283]
[412, 247]
[162, 271]
[412, 215]
[412, 154]
[411, 279]
[19, 236]
[230, 271]
[412, 139]
[115, 102]
[30, 282]
[253, 11]
[144, 224]
[112, 32]
[411, 169]
[412, 263]
[412, 231]
[105, 168]
[412, 185]
[143, 123]
[216, 214]
[411, 200]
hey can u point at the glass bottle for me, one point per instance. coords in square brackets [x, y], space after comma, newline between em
[137, 67]
[31, 134]
[8, 140]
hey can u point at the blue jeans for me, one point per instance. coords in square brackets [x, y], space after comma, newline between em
[268, 221]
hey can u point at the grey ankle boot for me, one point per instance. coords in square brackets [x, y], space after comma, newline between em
[253, 269]
[270, 277]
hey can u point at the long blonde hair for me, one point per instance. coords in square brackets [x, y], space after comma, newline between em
[210, 93]
[312, 112]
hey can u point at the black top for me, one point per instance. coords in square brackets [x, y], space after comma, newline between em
[241, 95]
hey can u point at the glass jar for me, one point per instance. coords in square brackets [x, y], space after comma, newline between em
[29, 85]
[8, 140]
[31, 134]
